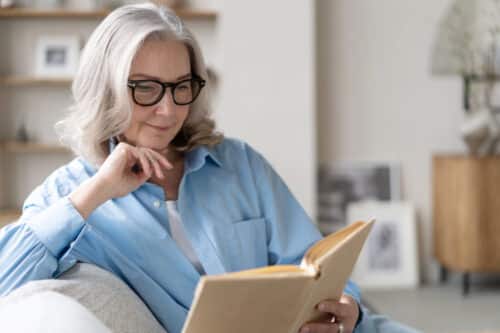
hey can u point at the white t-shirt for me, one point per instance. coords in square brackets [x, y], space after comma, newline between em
[179, 236]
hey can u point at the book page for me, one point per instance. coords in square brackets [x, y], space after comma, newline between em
[277, 269]
[328, 244]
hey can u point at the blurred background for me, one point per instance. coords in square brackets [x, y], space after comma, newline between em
[383, 109]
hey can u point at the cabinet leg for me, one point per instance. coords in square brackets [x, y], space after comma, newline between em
[465, 283]
[443, 274]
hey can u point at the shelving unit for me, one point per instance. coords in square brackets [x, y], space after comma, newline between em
[21, 81]
[12, 13]
[31, 147]
[8, 216]
[11, 150]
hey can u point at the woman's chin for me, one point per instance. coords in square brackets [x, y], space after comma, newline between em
[154, 145]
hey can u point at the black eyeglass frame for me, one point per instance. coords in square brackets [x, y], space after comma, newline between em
[132, 84]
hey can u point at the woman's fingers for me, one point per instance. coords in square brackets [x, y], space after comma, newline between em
[154, 162]
[144, 161]
[162, 159]
[150, 161]
[338, 309]
[344, 312]
[320, 328]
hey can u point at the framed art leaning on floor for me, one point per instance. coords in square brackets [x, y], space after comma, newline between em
[345, 182]
[389, 258]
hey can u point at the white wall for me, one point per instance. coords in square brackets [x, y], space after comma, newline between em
[268, 81]
[378, 101]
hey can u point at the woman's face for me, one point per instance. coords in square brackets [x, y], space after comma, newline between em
[157, 125]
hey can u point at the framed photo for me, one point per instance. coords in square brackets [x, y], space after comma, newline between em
[389, 258]
[343, 183]
[57, 56]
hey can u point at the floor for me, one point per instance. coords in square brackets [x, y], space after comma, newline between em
[441, 309]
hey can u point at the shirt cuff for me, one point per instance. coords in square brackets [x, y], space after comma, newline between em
[57, 226]
[360, 315]
[352, 289]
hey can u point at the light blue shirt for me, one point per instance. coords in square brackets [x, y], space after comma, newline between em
[237, 214]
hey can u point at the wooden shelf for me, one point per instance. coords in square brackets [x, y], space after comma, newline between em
[31, 147]
[8, 216]
[12, 13]
[23, 81]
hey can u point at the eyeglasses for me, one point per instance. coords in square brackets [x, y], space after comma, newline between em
[150, 92]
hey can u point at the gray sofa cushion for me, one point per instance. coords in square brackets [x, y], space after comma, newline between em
[102, 293]
[48, 312]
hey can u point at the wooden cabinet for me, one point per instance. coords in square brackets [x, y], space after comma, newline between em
[466, 211]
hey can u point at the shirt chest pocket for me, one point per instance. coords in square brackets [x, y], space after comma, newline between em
[247, 244]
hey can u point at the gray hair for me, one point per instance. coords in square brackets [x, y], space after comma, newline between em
[101, 108]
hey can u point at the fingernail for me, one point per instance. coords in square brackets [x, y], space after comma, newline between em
[305, 330]
[322, 307]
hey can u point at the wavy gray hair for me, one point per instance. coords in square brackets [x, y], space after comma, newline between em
[101, 108]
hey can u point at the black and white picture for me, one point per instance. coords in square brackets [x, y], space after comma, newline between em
[389, 258]
[384, 247]
[344, 183]
[57, 56]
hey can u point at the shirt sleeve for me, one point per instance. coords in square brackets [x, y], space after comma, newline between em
[290, 230]
[31, 248]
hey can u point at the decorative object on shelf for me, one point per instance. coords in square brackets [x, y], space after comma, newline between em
[481, 132]
[7, 3]
[47, 4]
[57, 56]
[390, 255]
[341, 183]
[22, 133]
[468, 44]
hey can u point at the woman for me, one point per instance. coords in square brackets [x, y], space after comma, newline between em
[156, 196]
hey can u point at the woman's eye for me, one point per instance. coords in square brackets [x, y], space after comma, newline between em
[144, 88]
[184, 86]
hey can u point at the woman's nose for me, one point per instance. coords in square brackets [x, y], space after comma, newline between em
[166, 105]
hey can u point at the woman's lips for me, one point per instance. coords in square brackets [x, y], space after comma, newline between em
[160, 128]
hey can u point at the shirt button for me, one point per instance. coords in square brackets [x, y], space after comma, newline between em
[63, 189]
[157, 203]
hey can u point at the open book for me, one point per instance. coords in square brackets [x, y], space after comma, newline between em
[277, 298]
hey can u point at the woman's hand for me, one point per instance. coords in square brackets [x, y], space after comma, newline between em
[128, 167]
[343, 316]
[116, 177]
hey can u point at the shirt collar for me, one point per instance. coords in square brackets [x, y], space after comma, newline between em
[196, 158]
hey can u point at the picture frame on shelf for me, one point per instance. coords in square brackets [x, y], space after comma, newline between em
[389, 258]
[84, 5]
[7, 3]
[57, 56]
[342, 183]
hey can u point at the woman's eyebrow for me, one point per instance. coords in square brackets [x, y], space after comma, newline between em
[185, 76]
